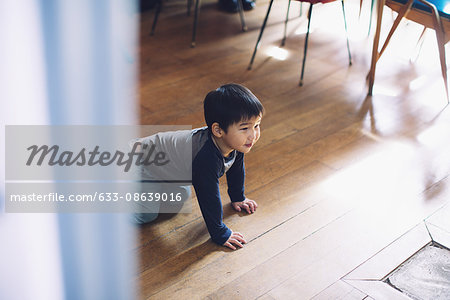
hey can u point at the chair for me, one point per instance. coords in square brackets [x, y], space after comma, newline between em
[194, 30]
[430, 14]
[311, 2]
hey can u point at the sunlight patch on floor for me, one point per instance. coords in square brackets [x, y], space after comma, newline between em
[384, 183]
[277, 53]
[386, 90]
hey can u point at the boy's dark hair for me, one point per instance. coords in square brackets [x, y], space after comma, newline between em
[230, 104]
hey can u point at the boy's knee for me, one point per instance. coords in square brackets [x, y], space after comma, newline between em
[143, 218]
[185, 192]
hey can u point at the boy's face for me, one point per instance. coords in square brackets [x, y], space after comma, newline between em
[243, 135]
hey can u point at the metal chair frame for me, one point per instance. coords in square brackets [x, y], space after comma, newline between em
[196, 12]
[283, 41]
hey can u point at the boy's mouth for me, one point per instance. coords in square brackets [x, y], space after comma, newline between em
[248, 145]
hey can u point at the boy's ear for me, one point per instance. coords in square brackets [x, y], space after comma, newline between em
[216, 130]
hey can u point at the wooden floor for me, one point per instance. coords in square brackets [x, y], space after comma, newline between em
[338, 176]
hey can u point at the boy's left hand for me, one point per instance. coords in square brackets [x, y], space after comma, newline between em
[248, 204]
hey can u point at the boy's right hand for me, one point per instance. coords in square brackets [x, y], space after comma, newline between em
[235, 239]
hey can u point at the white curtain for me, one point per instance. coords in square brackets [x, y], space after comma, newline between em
[66, 63]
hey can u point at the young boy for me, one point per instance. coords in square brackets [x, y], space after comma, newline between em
[233, 115]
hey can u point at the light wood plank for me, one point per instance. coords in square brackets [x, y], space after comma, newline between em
[340, 290]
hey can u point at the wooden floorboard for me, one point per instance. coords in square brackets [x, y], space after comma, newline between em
[337, 175]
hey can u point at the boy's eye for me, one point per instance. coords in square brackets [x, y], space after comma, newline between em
[244, 128]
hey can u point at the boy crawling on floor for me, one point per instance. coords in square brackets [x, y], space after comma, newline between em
[233, 115]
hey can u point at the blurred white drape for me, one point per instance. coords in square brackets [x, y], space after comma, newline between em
[66, 62]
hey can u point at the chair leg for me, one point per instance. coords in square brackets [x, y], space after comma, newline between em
[194, 30]
[155, 19]
[376, 40]
[402, 13]
[346, 32]
[360, 9]
[241, 14]
[189, 5]
[260, 35]
[419, 45]
[440, 37]
[421, 37]
[372, 5]
[306, 45]
[441, 46]
[283, 41]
